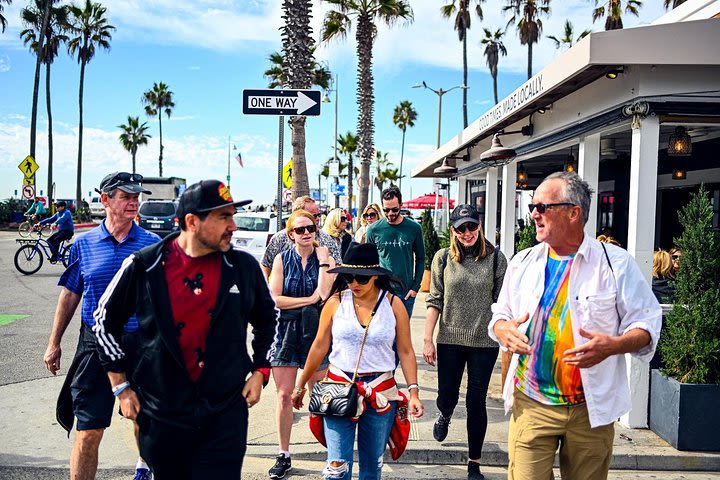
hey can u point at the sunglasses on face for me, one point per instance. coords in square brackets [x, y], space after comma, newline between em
[306, 228]
[349, 278]
[370, 215]
[317, 215]
[676, 258]
[393, 210]
[542, 207]
[467, 226]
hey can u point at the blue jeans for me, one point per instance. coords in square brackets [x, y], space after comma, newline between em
[409, 304]
[373, 433]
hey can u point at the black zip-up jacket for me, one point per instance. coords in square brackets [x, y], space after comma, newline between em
[159, 377]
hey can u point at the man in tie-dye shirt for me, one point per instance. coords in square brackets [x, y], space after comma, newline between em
[569, 309]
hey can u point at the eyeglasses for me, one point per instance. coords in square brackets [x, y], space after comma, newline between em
[306, 228]
[317, 215]
[393, 210]
[542, 207]
[370, 215]
[467, 226]
[360, 279]
[676, 257]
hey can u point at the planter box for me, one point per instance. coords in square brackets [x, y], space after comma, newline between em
[686, 415]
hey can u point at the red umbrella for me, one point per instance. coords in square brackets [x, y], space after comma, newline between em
[427, 201]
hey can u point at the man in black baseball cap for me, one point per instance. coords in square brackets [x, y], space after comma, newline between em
[127, 182]
[196, 296]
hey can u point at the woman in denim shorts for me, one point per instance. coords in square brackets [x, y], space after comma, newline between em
[298, 282]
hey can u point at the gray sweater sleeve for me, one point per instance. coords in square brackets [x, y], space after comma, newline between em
[437, 281]
[499, 275]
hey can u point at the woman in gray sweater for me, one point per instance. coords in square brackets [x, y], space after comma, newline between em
[466, 280]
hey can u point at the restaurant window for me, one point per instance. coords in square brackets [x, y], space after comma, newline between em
[606, 210]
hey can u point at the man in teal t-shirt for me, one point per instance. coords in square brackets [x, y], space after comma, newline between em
[400, 244]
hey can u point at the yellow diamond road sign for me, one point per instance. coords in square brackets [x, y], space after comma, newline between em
[28, 166]
[287, 174]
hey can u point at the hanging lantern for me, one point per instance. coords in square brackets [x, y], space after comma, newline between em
[679, 174]
[679, 144]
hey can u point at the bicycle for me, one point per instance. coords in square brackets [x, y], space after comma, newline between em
[28, 228]
[29, 257]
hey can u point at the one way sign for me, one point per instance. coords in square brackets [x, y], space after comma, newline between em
[282, 102]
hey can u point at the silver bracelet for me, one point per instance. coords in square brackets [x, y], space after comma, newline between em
[413, 385]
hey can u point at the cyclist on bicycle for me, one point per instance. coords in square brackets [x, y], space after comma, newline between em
[37, 210]
[65, 228]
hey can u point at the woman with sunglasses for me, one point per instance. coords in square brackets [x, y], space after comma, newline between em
[466, 280]
[335, 225]
[299, 282]
[371, 214]
[361, 289]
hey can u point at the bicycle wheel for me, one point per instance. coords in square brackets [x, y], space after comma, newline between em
[25, 229]
[66, 255]
[28, 259]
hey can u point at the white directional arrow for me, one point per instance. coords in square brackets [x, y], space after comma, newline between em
[304, 103]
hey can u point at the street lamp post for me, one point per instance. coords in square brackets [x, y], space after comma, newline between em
[439, 92]
[326, 99]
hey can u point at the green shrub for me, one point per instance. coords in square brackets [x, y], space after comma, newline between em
[526, 236]
[690, 342]
[430, 237]
[445, 238]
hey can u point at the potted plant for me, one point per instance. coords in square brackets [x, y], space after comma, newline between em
[432, 245]
[684, 394]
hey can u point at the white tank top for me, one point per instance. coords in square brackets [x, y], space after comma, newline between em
[347, 334]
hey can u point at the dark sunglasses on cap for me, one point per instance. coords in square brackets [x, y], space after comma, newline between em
[542, 207]
[120, 178]
[467, 226]
[370, 215]
[349, 278]
[306, 228]
[393, 210]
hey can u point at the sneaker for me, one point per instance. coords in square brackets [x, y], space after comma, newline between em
[474, 471]
[281, 468]
[142, 474]
[440, 429]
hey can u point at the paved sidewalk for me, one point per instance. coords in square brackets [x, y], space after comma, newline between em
[33, 442]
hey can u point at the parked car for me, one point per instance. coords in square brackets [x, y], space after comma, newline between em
[254, 231]
[97, 209]
[159, 216]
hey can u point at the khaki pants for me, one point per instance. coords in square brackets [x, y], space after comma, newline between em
[536, 430]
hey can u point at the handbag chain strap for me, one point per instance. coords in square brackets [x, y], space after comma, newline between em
[367, 327]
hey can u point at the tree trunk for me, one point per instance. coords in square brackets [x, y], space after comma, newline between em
[465, 80]
[300, 182]
[495, 88]
[50, 130]
[161, 144]
[366, 101]
[36, 85]
[78, 185]
[529, 60]
[134, 152]
[402, 154]
[351, 171]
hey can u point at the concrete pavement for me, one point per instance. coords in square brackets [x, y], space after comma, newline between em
[34, 446]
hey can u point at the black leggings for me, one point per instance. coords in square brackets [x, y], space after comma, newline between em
[451, 360]
[57, 238]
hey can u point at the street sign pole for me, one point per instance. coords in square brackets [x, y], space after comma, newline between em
[281, 140]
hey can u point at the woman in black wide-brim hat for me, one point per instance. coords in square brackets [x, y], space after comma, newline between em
[362, 288]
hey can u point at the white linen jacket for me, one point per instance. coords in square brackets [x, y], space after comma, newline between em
[610, 300]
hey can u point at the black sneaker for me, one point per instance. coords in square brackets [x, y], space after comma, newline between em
[440, 429]
[281, 468]
[474, 471]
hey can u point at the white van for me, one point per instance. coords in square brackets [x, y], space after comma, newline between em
[254, 231]
[97, 210]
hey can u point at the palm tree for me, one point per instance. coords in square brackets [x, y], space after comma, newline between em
[133, 135]
[157, 100]
[348, 145]
[494, 47]
[404, 116]
[614, 9]
[321, 75]
[384, 171]
[92, 30]
[462, 25]
[3, 20]
[567, 40]
[54, 37]
[529, 26]
[337, 23]
[668, 3]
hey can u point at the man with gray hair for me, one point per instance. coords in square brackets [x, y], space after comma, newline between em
[281, 242]
[569, 309]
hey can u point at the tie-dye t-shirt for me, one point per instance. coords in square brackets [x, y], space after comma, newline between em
[542, 375]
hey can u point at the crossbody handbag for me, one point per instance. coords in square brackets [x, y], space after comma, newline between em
[339, 399]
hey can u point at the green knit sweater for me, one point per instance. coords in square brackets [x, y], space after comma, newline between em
[463, 293]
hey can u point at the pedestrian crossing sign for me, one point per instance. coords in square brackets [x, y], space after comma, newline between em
[28, 166]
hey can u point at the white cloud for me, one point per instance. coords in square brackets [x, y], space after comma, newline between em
[4, 63]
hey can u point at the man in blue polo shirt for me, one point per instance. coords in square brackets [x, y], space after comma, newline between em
[94, 259]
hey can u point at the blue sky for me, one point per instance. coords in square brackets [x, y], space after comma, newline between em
[208, 51]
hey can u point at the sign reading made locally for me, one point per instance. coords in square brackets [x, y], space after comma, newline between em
[281, 102]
